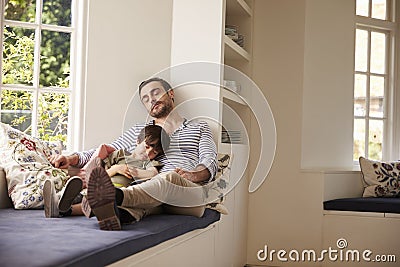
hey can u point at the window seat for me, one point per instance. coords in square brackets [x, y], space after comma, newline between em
[362, 223]
[27, 238]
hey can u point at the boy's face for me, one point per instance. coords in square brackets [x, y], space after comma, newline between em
[146, 150]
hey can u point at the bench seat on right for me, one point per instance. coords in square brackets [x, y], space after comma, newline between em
[364, 204]
[361, 223]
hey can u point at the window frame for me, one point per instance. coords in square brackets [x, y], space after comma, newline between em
[391, 121]
[78, 31]
[396, 84]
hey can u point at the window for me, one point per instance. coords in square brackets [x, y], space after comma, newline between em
[37, 81]
[373, 79]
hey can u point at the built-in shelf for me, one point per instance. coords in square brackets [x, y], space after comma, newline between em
[234, 51]
[228, 94]
[238, 7]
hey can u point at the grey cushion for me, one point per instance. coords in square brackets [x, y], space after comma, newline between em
[27, 238]
[365, 204]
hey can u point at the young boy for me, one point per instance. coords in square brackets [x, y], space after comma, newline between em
[122, 167]
[125, 168]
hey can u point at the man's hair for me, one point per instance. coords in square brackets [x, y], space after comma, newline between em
[163, 82]
[155, 133]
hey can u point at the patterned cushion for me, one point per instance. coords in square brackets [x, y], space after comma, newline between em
[24, 159]
[216, 190]
[381, 179]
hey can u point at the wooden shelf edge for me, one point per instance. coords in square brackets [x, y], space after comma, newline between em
[245, 7]
[226, 93]
[236, 49]
[239, 7]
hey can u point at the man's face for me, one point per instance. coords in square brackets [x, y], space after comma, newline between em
[156, 100]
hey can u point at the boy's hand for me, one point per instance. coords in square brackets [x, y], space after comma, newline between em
[133, 172]
[121, 169]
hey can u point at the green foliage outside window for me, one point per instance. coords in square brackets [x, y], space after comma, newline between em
[18, 68]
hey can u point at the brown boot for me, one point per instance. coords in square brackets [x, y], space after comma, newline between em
[101, 199]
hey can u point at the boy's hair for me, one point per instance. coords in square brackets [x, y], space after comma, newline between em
[155, 133]
[163, 82]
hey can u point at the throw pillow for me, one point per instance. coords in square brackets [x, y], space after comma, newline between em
[24, 160]
[381, 179]
[216, 190]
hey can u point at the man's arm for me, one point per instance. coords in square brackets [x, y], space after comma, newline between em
[126, 141]
[207, 165]
[207, 151]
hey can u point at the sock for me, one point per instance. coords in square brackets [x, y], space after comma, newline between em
[66, 213]
[119, 196]
[125, 217]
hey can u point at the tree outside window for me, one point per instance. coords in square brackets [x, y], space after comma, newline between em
[36, 57]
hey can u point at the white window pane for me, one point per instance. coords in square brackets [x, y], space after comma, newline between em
[377, 86]
[378, 52]
[375, 139]
[379, 9]
[20, 10]
[55, 59]
[377, 94]
[361, 53]
[359, 139]
[360, 92]
[362, 7]
[18, 50]
[53, 116]
[57, 12]
[16, 109]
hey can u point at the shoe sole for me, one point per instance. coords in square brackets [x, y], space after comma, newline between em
[50, 210]
[101, 198]
[72, 189]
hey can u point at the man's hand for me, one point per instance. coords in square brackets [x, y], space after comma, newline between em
[63, 162]
[191, 176]
[199, 174]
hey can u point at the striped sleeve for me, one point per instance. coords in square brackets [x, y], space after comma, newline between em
[126, 141]
[208, 150]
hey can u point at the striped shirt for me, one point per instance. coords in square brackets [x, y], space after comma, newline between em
[190, 145]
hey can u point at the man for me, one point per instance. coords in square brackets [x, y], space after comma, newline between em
[190, 160]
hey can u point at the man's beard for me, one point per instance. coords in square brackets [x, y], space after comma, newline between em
[166, 108]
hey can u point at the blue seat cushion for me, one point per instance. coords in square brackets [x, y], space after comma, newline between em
[364, 204]
[27, 238]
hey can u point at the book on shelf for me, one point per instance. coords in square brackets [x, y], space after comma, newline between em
[232, 32]
[231, 136]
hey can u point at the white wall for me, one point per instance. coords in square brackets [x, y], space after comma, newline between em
[302, 61]
[128, 41]
[327, 130]
[196, 51]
